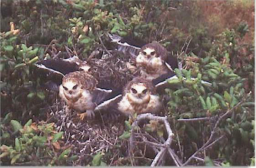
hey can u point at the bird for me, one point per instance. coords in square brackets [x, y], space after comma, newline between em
[80, 92]
[139, 96]
[109, 70]
[152, 61]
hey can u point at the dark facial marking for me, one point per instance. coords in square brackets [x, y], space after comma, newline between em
[65, 88]
[134, 91]
[145, 91]
[75, 87]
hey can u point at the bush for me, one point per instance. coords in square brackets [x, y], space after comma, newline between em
[211, 44]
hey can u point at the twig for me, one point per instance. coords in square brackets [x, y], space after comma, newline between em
[174, 157]
[166, 144]
[158, 157]
[48, 46]
[188, 44]
[153, 143]
[216, 140]
[103, 45]
[194, 119]
[207, 144]
[178, 139]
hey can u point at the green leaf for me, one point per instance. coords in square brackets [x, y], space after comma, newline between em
[85, 41]
[24, 47]
[96, 161]
[16, 125]
[20, 65]
[233, 102]
[208, 103]
[103, 164]
[221, 100]
[190, 130]
[188, 75]
[227, 97]
[122, 33]
[17, 144]
[244, 135]
[214, 108]
[40, 95]
[248, 104]
[28, 123]
[174, 81]
[212, 75]
[57, 136]
[32, 52]
[202, 102]
[64, 153]
[8, 48]
[160, 133]
[32, 61]
[115, 28]
[178, 73]
[15, 158]
[4, 154]
[125, 135]
[214, 101]
[128, 125]
[31, 95]
[208, 161]
[6, 118]
[78, 6]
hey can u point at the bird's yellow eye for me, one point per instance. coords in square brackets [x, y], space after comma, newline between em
[145, 91]
[134, 91]
[65, 88]
[75, 87]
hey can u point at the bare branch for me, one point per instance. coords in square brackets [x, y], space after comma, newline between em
[175, 157]
[158, 157]
[194, 119]
[164, 147]
[207, 144]
[104, 45]
[211, 144]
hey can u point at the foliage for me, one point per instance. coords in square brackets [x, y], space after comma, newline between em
[33, 144]
[211, 44]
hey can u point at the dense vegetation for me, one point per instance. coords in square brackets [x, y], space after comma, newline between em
[213, 40]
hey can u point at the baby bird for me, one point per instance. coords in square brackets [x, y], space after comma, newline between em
[138, 97]
[79, 91]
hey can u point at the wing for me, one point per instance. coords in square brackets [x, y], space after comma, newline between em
[59, 66]
[171, 61]
[109, 104]
[101, 95]
[108, 110]
[127, 44]
[52, 71]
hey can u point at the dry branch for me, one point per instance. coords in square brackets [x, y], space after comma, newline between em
[208, 143]
[164, 147]
[195, 119]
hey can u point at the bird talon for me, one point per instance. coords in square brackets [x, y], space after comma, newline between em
[82, 116]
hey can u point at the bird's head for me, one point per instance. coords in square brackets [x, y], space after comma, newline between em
[139, 90]
[72, 88]
[151, 56]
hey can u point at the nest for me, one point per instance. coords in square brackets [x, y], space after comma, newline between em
[89, 137]
[100, 135]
